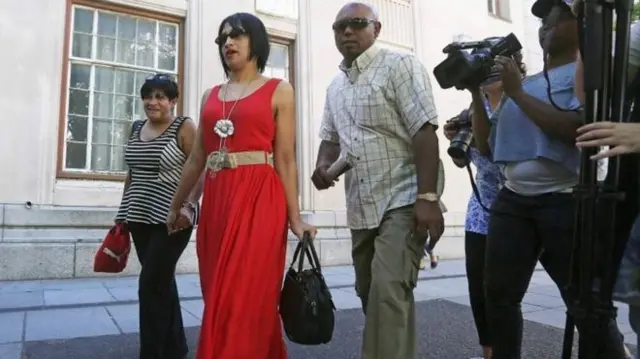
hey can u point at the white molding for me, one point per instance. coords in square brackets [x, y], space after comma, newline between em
[305, 100]
[282, 34]
[193, 60]
[169, 7]
[289, 15]
[279, 26]
[48, 137]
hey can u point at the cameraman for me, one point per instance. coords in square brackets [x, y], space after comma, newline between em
[533, 215]
[488, 180]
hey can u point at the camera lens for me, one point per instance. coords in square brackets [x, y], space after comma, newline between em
[460, 144]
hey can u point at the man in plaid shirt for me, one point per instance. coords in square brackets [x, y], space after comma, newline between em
[380, 114]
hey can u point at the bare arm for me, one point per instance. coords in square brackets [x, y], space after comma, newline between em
[328, 153]
[186, 140]
[561, 125]
[480, 123]
[193, 168]
[284, 147]
[127, 179]
[426, 153]
[414, 97]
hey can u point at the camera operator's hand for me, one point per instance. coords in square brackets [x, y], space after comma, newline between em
[510, 75]
[622, 138]
[450, 130]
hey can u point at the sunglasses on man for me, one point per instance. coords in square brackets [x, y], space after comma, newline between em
[356, 23]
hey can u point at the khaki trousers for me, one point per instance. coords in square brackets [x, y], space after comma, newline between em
[386, 261]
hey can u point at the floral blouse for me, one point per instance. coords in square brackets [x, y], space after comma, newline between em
[488, 180]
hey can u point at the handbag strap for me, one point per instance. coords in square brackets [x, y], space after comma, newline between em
[311, 252]
[300, 250]
[306, 248]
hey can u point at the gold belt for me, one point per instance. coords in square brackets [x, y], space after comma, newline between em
[219, 160]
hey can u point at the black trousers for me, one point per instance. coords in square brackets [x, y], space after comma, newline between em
[523, 230]
[161, 329]
[475, 246]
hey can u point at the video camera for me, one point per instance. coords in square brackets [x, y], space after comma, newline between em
[462, 69]
[460, 143]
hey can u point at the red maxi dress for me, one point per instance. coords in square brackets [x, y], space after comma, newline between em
[241, 238]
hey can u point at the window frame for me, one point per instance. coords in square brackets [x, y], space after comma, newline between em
[497, 4]
[61, 172]
[291, 44]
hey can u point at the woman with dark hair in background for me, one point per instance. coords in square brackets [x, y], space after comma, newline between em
[156, 152]
[247, 128]
[488, 181]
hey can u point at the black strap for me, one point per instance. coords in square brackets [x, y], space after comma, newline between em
[306, 248]
[175, 126]
[135, 127]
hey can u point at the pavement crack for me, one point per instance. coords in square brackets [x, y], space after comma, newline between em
[113, 319]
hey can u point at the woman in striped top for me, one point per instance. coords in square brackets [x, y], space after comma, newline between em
[155, 154]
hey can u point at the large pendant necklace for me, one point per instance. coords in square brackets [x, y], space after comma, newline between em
[224, 128]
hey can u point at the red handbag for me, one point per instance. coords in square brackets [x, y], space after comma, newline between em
[114, 252]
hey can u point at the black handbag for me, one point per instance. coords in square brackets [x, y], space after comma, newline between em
[306, 307]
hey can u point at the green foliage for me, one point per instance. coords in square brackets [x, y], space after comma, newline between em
[635, 13]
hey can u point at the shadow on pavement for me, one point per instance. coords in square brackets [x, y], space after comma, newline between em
[446, 332]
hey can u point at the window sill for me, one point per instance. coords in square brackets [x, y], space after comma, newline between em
[91, 176]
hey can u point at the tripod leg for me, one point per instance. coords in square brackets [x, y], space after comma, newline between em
[569, 330]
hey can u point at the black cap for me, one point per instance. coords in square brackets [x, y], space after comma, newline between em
[542, 8]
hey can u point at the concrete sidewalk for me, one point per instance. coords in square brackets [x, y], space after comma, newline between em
[82, 308]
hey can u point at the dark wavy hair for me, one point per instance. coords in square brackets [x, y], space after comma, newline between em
[253, 27]
[160, 82]
[517, 57]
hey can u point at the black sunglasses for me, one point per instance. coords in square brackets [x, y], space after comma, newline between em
[234, 34]
[357, 23]
[159, 77]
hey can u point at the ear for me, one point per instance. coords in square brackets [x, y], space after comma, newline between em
[376, 29]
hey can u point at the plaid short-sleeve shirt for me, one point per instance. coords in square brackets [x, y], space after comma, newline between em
[373, 109]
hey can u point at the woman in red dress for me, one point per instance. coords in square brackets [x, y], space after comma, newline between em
[247, 144]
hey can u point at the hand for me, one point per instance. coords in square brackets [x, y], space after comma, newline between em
[179, 220]
[120, 222]
[510, 75]
[299, 228]
[428, 220]
[450, 131]
[321, 178]
[622, 138]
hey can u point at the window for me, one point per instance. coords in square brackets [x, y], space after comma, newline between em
[280, 63]
[110, 55]
[499, 8]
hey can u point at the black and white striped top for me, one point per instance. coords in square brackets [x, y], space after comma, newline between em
[155, 167]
